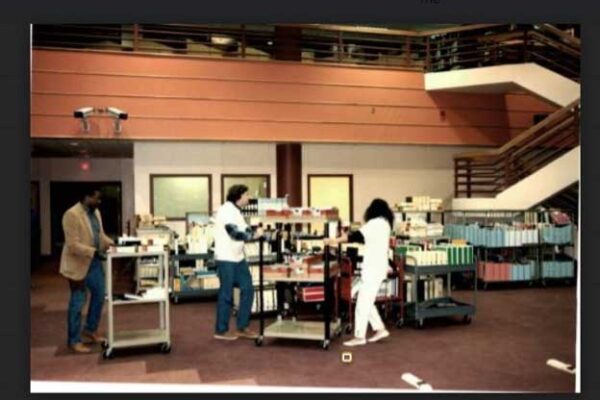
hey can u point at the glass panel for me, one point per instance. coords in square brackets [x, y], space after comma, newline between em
[331, 191]
[257, 185]
[175, 196]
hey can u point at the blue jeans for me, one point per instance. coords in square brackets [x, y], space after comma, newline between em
[234, 274]
[94, 282]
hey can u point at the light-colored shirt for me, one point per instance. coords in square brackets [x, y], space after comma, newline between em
[95, 227]
[377, 242]
[227, 249]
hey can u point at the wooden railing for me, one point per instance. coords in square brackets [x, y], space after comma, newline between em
[506, 44]
[464, 46]
[485, 174]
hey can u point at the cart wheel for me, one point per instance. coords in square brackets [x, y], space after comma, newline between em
[108, 353]
[419, 323]
[175, 299]
[165, 348]
[348, 329]
[104, 344]
[400, 323]
[258, 341]
[325, 345]
[467, 319]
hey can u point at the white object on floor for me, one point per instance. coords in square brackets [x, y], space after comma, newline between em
[416, 382]
[355, 342]
[378, 336]
[568, 368]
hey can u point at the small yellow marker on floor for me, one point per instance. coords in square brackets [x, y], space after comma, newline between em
[347, 357]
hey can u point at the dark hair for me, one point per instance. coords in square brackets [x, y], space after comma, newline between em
[379, 208]
[88, 190]
[236, 192]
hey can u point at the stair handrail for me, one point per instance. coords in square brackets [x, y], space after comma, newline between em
[556, 116]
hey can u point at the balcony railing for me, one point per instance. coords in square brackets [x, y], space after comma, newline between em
[434, 50]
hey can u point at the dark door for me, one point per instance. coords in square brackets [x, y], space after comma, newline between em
[35, 220]
[63, 195]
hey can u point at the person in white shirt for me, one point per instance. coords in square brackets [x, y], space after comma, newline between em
[375, 234]
[231, 231]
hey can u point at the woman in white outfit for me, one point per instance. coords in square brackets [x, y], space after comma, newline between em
[375, 234]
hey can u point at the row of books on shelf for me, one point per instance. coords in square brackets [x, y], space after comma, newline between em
[441, 254]
[558, 269]
[509, 236]
[148, 271]
[269, 296]
[432, 288]
[511, 272]
[506, 272]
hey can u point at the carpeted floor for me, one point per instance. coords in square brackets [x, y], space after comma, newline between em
[504, 349]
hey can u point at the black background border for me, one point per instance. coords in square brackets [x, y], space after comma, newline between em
[15, 150]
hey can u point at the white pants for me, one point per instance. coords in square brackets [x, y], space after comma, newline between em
[366, 312]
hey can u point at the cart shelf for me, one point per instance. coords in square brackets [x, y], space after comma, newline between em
[306, 330]
[140, 338]
[161, 335]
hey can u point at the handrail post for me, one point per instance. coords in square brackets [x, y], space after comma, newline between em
[340, 47]
[427, 55]
[136, 36]
[525, 44]
[408, 55]
[456, 169]
[469, 178]
[243, 41]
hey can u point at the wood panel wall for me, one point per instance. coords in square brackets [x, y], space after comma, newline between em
[186, 98]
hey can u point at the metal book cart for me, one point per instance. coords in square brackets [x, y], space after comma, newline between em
[291, 328]
[180, 282]
[445, 306]
[136, 338]
[393, 303]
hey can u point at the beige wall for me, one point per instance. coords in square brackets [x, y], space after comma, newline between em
[391, 172]
[214, 158]
[46, 170]
[388, 171]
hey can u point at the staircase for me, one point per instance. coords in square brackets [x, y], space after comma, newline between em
[541, 165]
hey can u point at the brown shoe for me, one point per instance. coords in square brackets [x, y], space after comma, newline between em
[80, 348]
[225, 336]
[93, 337]
[247, 334]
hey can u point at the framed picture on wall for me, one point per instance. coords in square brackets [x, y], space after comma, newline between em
[173, 196]
[259, 186]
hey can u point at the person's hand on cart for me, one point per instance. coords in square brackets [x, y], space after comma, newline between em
[100, 255]
[259, 232]
[336, 241]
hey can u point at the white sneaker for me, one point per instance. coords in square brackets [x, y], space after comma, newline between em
[379, 335]
[355, 342]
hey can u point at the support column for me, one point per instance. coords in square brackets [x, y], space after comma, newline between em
[289, 172]
[287, 43]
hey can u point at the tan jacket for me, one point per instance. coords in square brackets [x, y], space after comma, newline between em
[78, 250]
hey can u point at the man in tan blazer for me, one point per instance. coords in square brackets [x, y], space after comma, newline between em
[81, 263]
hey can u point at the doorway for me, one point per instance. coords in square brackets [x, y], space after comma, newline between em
[63, 195]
